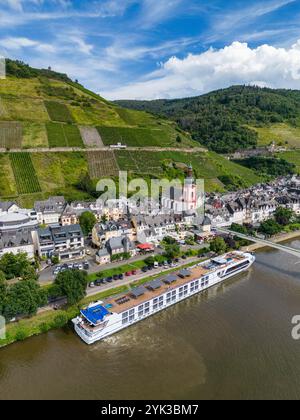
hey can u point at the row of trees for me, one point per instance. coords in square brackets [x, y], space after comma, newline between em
[268, 166]
[21, 70]
[283, 217]
[23, 296]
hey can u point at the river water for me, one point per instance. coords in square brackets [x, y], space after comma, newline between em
[232, 342]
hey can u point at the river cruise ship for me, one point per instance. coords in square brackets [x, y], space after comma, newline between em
[104, 318]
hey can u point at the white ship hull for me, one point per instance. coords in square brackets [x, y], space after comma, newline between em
[116, 325]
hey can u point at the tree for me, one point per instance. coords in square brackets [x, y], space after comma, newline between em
[169, 240]
[23, 298]
[104, 218]
[29, 273]
[283, 216]
[3, 289]
[14, 265]
[55, 260]
[218, 245]
[172, 252]
[72, 284]
[270, 227]
[87, 221]
[239, 228]
[179, 139]
[150, 261]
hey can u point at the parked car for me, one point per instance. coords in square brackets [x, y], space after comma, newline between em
[134, 272]
[109, 279]
[80, 266]
[86, 266]
[116, 277]
[128, 274]
[70, 266]
[156, 265]
[121, 276]
[92, 285]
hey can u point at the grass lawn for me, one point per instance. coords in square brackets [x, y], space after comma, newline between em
[99, 113]
[292, 157]
[280, 134]
[34, 135]
[8, 186]
[116, 271]
[15, 86]
[22, 109]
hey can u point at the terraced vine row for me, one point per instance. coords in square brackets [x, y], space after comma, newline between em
[10, 135]
[102, 164]
[26, 178]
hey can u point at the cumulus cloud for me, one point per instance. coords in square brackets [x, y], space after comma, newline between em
[214, 69]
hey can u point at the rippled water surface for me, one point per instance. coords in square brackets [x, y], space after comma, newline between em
[233, 341]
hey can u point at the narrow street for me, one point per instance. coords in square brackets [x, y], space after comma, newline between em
[128, 280]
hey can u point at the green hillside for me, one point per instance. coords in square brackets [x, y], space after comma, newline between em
[31, 176]
[234, 118]
[41, 109]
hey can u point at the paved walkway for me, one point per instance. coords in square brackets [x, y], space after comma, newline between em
[101, 149]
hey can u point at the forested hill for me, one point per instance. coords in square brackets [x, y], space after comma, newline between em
[229, 119]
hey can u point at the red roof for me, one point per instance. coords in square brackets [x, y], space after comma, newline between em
[145, 246]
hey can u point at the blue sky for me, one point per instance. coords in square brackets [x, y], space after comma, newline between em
[157, 48]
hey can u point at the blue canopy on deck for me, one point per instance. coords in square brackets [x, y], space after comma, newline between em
[95, 314]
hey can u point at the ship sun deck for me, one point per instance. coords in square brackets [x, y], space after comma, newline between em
[104, 318]
[129, 300]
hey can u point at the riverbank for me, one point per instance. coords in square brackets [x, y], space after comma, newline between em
[276, 239]
[47, 319]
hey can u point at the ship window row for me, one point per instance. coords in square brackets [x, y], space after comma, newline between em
[158, 302]
[237, 267]
[194, 286]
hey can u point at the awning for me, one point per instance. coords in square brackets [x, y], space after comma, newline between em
[95, 314]
[145, 247]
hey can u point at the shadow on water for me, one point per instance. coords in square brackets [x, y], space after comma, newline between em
[280, 269]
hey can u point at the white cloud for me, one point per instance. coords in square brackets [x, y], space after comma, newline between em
[156, 11]
[17, 43]
[215, 69]
[18, 4]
